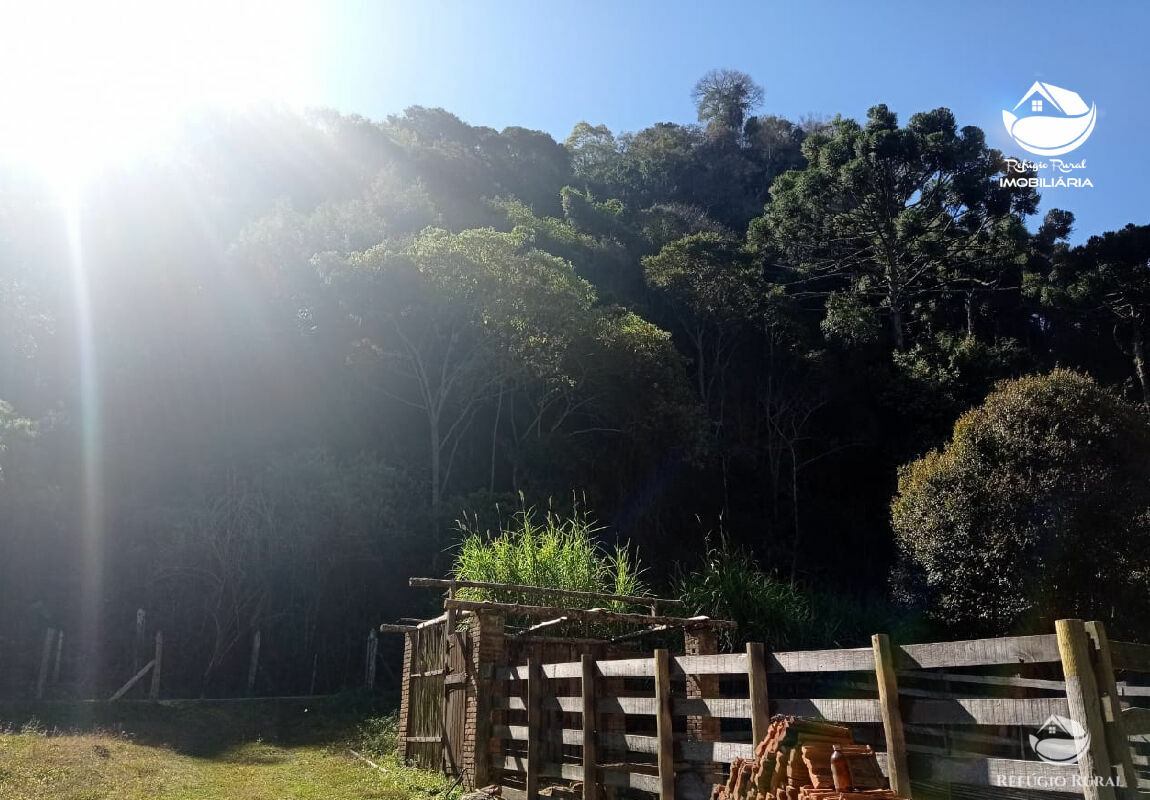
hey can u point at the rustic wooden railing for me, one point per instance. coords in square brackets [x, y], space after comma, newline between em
[615, 723]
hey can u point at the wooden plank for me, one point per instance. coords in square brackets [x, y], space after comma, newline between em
[154, 689]
[719, 664]
[663, 725]
[832, 710]
[1085, 707]
[979, 652]
[622, 779]
[626, 705]
[59, 653]
[998, 772]
[254, 663]
[988, 680]
[757, 683]
[590, 776]
[1029, 712]
[45, 661]
[1117, 743]
[856, 659]
[587, 614]
[132, 681]
[534, 726]
[1131, 656]
[722, 707]
[440, 583]
[627, 668]
[687, 750]
[721, 752]
[1136, 721]
[884, 666]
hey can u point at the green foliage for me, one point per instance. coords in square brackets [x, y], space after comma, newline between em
[1038, 508]
[849, 320]
[730, 585]
[724, 97]
[892, 214]
[559, 551]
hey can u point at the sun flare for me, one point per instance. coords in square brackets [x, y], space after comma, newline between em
[85, 84]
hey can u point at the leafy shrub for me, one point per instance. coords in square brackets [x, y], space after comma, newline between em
[1038, 508]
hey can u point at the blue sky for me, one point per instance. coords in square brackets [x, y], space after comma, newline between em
[548, 65]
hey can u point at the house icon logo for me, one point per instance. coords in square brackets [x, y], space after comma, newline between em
[1050, 120]
[1060, 740]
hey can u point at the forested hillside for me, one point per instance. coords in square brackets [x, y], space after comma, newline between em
[252, 383]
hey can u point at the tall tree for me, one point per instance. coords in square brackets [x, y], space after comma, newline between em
[891, 216]
[1107, 280]
[725, 97]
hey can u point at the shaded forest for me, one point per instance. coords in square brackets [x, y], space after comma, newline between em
[252, 383]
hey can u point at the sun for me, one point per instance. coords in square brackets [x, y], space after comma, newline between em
[88, 83]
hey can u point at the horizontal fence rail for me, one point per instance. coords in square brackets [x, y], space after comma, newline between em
[931, 723]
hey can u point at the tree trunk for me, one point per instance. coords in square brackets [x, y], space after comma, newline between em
[896, 326]
[1137, 351]
[797, 540]
[970, 315]
[433, 428]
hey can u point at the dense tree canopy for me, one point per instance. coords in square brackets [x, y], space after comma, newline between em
[250, 384]
[1037, 509]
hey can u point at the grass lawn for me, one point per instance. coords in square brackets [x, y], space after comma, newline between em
[233, 751]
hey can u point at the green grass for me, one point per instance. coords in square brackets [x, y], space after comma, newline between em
[208, 752]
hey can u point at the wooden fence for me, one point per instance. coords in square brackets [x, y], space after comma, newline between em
[950, 719]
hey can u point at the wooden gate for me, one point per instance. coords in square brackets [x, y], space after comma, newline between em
[437, 698]
[423, 744]
[455, 701]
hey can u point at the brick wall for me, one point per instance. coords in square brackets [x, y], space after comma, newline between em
[405, 697]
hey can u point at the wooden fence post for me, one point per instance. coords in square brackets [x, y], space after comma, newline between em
[590, 774]
[757, 679]
[138, 643]
[884, 669]
[534, 728]
[1116, 740]
[1082, 696]
[663, 721]
[254, 663]
[45, 661]
[370, 660]
[154, 689]
[59, 653]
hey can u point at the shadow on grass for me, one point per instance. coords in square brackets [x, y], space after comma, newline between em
[207, 728]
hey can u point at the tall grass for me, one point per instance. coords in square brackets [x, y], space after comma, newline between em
[558, 551]
[730, 584]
